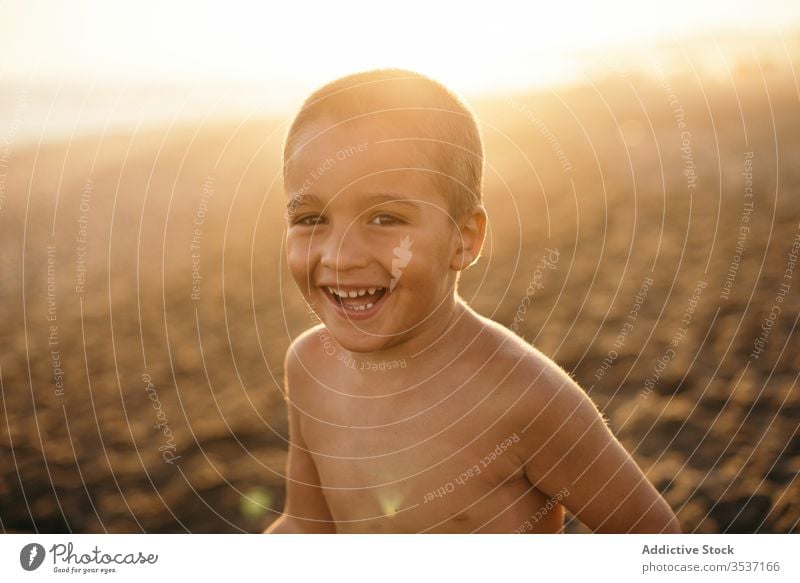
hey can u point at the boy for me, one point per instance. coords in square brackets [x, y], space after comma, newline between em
[408, 411]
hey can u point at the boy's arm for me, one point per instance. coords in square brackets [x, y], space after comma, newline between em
[305, 509]
[569, 449]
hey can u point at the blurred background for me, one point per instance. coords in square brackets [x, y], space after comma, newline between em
[145, 306]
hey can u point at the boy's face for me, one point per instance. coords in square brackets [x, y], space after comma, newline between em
[367, 219]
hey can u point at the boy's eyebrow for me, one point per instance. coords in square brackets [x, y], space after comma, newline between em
[300, 199]
[378, 198]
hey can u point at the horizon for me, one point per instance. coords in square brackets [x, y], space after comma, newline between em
[208, 65]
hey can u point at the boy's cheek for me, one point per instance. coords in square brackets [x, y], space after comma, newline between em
[297, 261]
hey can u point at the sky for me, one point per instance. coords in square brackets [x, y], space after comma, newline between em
[470, 45]
[82, 65]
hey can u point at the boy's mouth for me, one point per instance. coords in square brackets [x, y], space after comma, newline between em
[356, 301]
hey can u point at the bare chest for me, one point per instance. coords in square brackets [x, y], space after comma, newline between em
[445, 464]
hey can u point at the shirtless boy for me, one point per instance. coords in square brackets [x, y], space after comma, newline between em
[408, 411]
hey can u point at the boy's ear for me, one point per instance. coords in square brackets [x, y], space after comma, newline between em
[472, 231]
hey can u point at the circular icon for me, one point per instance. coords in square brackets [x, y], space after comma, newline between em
[31, 556]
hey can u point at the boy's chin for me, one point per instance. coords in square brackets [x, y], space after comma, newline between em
[358, 341]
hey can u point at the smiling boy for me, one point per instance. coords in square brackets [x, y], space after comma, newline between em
[476, 431]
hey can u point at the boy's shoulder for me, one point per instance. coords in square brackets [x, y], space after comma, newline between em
[507, 351]
[307, 341]
[307, 351]
[525, 370]
[540, 399]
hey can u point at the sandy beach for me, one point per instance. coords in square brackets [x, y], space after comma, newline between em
[651, 221]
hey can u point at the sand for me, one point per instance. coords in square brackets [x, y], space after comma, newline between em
[138, 396]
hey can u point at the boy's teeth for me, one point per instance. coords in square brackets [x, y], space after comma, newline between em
[354, 293]
[359, 308]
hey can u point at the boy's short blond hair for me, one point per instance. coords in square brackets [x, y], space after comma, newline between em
[446, 128]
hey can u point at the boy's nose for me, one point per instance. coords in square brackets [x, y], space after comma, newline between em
[343, 250]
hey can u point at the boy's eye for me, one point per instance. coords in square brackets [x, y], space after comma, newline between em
[309, 221]
[384, 220]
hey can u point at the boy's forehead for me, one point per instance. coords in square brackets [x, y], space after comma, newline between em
[353, 149]
[372, 127]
